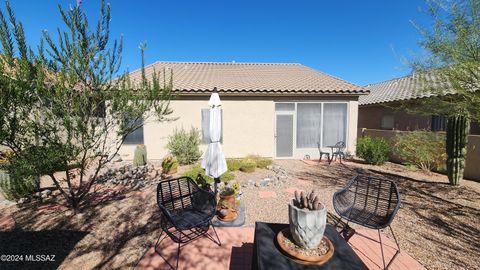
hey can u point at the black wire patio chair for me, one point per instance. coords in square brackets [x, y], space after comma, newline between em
[338, 150]
[370, 202]
[322, 153]
[187, 212]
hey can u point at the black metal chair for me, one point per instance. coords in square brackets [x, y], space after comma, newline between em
[322, 153]
[338, 150]
[370, 202]
[187, 212]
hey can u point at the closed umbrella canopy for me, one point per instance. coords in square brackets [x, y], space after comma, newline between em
[214, 161]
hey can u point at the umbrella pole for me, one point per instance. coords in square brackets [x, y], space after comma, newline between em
[216, 181]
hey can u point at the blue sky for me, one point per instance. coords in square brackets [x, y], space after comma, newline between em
[359, 41]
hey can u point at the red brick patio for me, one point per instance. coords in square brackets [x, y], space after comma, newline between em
[237, 246]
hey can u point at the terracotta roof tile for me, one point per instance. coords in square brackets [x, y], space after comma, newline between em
[245, 78]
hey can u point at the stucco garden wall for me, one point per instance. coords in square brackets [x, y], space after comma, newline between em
[472, 170]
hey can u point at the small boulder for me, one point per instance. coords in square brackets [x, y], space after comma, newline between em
[116, 158]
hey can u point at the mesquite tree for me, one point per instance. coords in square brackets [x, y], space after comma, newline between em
[451, 73]
[63, 111]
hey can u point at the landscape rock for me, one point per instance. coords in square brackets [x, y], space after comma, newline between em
[116, 158]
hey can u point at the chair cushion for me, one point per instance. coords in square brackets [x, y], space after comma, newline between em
[190, 218]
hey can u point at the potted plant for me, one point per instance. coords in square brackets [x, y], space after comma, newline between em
[227, 205]
[307, 218]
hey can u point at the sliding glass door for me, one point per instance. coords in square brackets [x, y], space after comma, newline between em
[335, 123]
[303, 127]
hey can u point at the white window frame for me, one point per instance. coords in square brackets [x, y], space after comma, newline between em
[301, 152]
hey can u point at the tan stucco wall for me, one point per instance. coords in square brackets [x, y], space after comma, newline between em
[249, 126]
[472, 170]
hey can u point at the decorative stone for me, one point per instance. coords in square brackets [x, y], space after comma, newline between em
[23, 200]
[116, 158]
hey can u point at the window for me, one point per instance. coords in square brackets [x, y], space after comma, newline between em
[284, 107]
[136, 137]
[206, 125]
[387, 122]
[334, 123]
[309, 120]
[439, 123]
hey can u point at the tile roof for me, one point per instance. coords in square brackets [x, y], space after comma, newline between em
[249, 78]
[404, 88]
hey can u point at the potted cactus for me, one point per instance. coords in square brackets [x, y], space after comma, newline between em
[307, 218]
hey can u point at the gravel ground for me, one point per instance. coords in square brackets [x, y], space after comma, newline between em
[437, 224]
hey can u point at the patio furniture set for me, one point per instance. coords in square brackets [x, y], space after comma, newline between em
[337, 151]
[187, 213]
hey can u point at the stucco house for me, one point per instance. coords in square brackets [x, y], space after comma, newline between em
[379, 109]
[272, 110]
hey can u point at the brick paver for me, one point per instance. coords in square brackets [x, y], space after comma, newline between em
[235, 252]
[264, 194]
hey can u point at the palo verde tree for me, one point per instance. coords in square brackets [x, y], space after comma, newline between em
[62, 110]
[450, 73]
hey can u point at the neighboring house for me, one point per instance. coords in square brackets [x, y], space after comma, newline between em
[272, 110]
[378, 110]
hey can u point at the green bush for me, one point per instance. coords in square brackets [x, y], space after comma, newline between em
[14, 188]
[185, 145]
[260, 162]
[234, 164]
[197, 169]
[248, 165]
[424, 149]
[264, 162]
[373, 150]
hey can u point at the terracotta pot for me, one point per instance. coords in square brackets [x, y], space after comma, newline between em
[307, 226]
[227, 207]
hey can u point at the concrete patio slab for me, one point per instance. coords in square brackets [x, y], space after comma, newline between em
[237, 250]
[366, 244]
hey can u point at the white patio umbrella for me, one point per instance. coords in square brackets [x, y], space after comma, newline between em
[214, 161]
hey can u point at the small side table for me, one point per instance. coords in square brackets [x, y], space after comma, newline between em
[266, 254]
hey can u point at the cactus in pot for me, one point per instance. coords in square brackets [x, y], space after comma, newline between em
[140, 155]
[307, 218]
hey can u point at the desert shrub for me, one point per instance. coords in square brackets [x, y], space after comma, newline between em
[248, 165]
[18, 185]
[14, 188]
[169, 164]
[373, 150]
[264, 162]
[197, 169]
[185, 145]
[234, 164]
[260, 161]
[424, 149]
